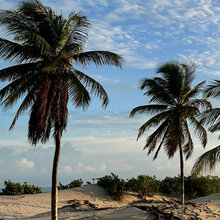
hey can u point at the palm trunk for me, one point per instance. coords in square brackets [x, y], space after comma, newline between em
[181, 173]
[54, 191]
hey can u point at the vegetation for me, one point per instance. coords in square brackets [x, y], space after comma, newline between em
[144, 185]
[46, 48]
[72, 184]
[147, 186]
[114, 186]
[175, 106]
[194, 186]
[18, 189]
[170, 185]
[211, 117]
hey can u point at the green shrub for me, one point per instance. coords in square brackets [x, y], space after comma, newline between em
[201, 186]
[72, 184]
[18, 189]
[170, 185]
[194, 186]
[144, 185]
[114, 186]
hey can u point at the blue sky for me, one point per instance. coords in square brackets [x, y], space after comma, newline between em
[99, 141]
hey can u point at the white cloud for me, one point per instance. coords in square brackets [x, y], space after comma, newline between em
[25, 163]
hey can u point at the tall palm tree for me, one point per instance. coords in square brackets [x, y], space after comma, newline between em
[47, 48]
[175, 107]
[211, 117]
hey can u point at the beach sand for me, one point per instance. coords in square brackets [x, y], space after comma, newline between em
[95, 204]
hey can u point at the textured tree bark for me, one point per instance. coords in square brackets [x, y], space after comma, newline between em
[54, 191]
[181, 173]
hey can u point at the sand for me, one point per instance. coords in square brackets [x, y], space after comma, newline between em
[37, 206]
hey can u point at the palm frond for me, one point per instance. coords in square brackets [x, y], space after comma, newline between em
[174, 137]
[99, 58]
[15, 52]
[154, 121]
[213, 90]
[95, 88]
[148, 109]
[157, 91]
[77, 91]
[193, 92]
[25, 31]
[199, 130]
[160, 145]
[189, 72]
[211, 117]
[75, 32]
[17, 71]
[26, 103]
[188, 147]
[172, 73]
[203, 103]
[207, 160]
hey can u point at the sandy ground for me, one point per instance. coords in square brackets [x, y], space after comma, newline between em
[38, 206]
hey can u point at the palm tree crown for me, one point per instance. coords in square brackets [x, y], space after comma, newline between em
[47, 46]
[176, 107]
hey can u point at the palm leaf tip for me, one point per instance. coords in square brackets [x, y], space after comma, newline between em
[208, 160]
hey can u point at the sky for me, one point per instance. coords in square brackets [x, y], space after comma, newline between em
[99, 141]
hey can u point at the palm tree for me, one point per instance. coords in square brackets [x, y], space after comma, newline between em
[211, 117]
[47, 48]
[175, 106]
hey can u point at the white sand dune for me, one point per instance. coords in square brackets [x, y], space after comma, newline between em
[37, 206]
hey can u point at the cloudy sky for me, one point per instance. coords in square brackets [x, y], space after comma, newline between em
[99, 141]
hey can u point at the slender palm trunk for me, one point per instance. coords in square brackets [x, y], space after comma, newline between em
[54, 191]
[181, 173]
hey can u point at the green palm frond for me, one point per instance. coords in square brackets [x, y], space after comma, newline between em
[189, 70]
[157, 91]
[26, 103]
[208, 160]
[188, 146]
[99, 58]
[27, 83]
[199, 130]
[201, 103]
[160, 145]
[77, 91]
[17, 71]
[15, 52]
[148, 109]
[75, 32]
[211, 117]
[94, 86]
[154, 121]
[25, 31]
[156, 136]
[213, 90]
[171, 72]
[193, 92]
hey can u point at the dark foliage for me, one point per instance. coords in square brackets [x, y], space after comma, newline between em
[144, 185]
[114, 186]
[72, 184]
[18, 189]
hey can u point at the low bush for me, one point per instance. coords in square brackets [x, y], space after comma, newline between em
[18, 189]
[201, 186]
[170, 185]
[72, 184]
[144, 185]
[114, 186]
